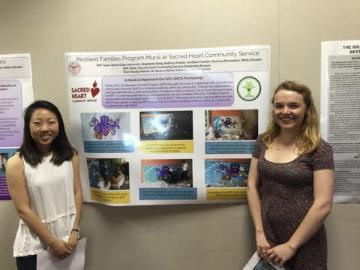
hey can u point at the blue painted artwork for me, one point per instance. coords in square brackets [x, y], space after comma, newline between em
[224, 173]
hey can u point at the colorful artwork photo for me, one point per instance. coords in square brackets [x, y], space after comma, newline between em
[3, 160]
[231, 125]
[105, 126]
[226, 172]
[5, 154]
[108, 173]
[169, 125]
[167, 172]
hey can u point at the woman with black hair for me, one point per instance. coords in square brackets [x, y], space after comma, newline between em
[44, 183]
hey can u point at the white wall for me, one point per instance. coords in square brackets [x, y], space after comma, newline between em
[193, 237]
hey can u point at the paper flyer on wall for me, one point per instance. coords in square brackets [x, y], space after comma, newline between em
[167, 126]
[16, 93]
[340, 113]
[258, 263]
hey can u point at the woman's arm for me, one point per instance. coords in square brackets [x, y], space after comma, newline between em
[253, 196]
[320, 209]
[17, 188]
[78, 201]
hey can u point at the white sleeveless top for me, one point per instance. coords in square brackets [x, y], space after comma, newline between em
[51, 193]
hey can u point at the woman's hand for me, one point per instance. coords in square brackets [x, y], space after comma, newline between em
[262, 245]
[280, 254]
[73, 239]
[61, 249]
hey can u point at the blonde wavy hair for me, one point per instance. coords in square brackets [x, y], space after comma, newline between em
[309, 137]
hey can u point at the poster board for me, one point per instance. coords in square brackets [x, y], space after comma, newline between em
[167, 126]
[340, 113]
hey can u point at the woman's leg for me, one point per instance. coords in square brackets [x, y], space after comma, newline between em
[26, 262]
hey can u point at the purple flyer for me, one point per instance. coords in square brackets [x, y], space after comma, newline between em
[11, 108]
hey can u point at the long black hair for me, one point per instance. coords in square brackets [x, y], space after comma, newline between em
[61, 147]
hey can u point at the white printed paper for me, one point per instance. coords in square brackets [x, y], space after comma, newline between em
[75, 261]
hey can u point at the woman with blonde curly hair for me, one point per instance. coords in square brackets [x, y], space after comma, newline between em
[290, 185]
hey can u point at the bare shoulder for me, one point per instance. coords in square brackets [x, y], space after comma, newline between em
[75, 157]
[14, 170]
[75, 160]
[14, 163]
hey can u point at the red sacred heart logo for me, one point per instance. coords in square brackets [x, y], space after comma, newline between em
[95, 90]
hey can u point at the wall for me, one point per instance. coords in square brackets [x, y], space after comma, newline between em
[193, 237]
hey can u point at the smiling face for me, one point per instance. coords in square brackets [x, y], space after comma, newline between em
[289, 110]
[44, 128]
